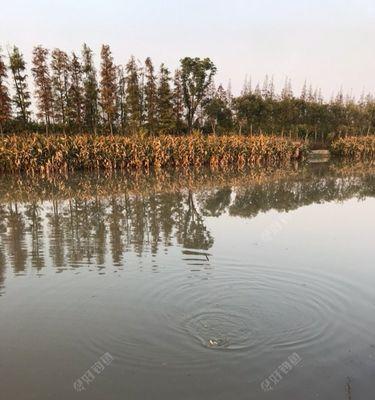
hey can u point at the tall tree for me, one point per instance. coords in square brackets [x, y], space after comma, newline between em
[304, 92]
[133, 96]
[75, 93]
[150, 91]
[197, 75]
[287, 91]
[121, 99]
[218, 111]
[164, 103]
[108, 86]
[247, 86]
[60, 66]
[229, 93]
[178, 102]
[22, 95]
[5, 101]
[43, 85]
[141, 80]
[90, 88]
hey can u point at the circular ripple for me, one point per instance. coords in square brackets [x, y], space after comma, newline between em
[221, 330]
[251, 310]
[258, 308]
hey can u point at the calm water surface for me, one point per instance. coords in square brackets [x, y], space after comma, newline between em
[252, 285]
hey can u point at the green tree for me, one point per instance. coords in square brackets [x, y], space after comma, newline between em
[21, 98]
[178, 102]
[150, 92]
[250, 110]
[60, 67]
[43, 85]
[90, 90]
[196, 75]
[75, 94]
[218, 112]
[164, 102]
[108, 86]
[121, 99]
[5, 101]
[133, 96]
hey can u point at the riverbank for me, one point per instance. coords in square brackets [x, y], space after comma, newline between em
[62, 153]
[354, 147]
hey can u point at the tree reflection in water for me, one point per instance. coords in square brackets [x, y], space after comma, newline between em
[88, 220]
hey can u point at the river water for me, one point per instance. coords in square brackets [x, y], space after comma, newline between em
[206, 285]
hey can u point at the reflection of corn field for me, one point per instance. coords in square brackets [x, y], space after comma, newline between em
[81, 219]
[354, 147]
[63, 153]
[291, 183]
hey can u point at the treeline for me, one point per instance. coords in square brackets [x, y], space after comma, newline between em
[71, 96]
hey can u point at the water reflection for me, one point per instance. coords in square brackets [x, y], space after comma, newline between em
[175, 276]
[88, 220]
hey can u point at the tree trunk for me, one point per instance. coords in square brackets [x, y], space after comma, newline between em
[47, 125]
[213, 126]
[190, 123]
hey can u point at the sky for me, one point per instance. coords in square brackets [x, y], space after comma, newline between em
[327, 43]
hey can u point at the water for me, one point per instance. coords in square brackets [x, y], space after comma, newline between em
[194, 286]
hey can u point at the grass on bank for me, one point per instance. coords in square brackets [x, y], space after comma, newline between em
[62, 153]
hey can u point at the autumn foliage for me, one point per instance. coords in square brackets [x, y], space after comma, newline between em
[63, 153]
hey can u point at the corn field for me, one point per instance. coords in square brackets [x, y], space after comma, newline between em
[64, 153]
[361, 147]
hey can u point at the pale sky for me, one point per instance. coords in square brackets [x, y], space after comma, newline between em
[329, 43]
